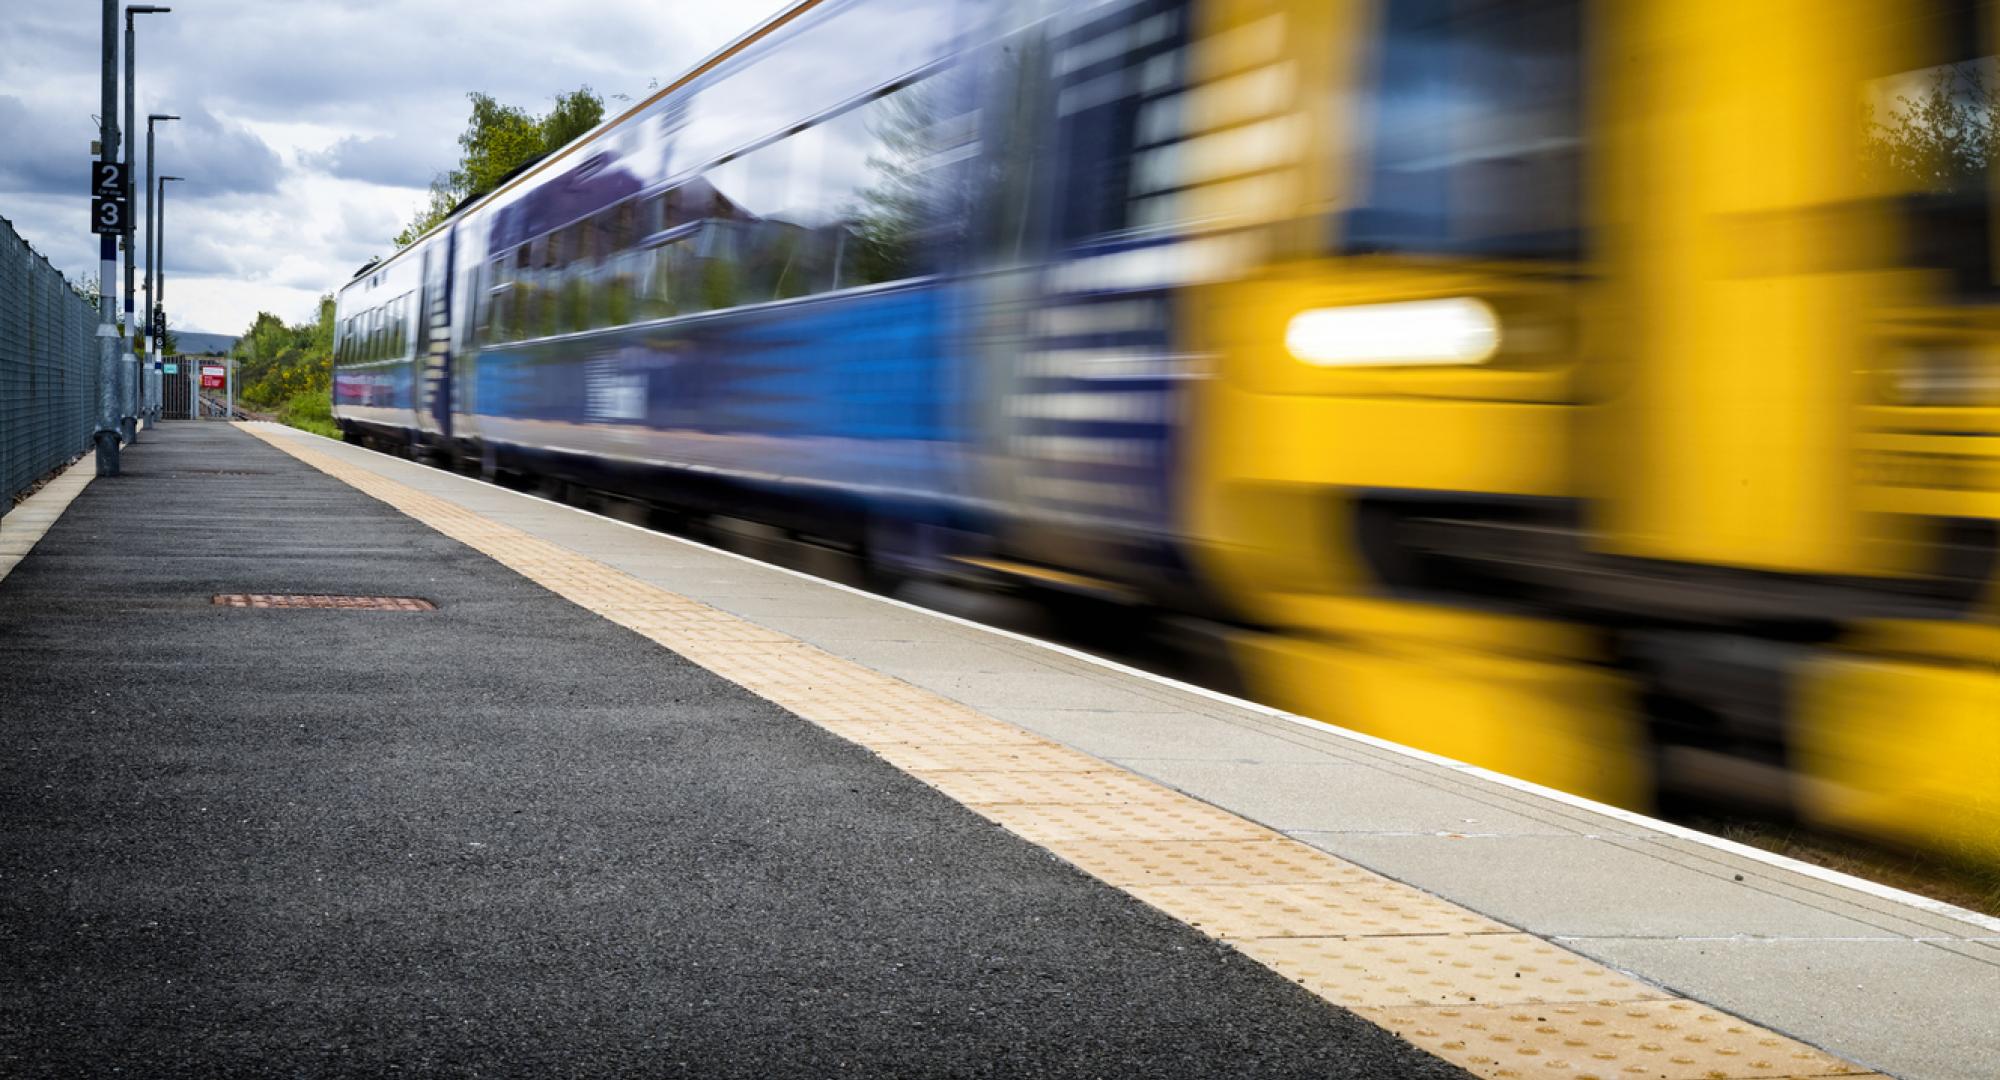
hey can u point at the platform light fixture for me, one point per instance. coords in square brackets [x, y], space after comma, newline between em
[133, 393]
[151, 267]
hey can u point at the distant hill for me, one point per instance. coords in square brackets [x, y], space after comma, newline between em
[198, 344]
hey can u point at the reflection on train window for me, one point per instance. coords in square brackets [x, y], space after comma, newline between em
[837, 205]
[1475, 130]
[1929, 134]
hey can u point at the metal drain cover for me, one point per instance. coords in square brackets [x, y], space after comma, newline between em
[315, 600]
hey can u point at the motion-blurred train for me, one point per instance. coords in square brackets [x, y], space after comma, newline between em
[1603, 391]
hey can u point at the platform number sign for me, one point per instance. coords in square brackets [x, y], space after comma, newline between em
[110, 213]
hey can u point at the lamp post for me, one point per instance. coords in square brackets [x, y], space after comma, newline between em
[106, 434]
[160, 271]
[129, 420]
[152, 339]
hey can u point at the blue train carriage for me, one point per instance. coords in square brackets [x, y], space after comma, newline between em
[379, 385]
[926, 300]
[733, 297]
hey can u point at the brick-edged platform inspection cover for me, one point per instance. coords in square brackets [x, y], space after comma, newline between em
[315, 600]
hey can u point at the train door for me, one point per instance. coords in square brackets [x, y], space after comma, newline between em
[1086, 378]
[433, 352]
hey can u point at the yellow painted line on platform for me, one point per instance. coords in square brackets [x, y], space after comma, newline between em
[1482, 995]
[23, 527]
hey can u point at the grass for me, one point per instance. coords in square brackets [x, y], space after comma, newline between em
[310, 411]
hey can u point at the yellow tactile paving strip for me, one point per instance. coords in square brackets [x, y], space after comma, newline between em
[1495, 1001]
[24, 527]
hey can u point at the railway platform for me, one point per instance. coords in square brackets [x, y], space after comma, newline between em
[321, 762]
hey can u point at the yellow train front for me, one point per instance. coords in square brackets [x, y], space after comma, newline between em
[1609, 393]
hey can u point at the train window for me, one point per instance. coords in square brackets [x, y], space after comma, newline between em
[1929, 134]
[1475, 130]
[828, 207]
[1111, 71]
[750, 195]
[520, 308]
[653, 214]
[657, 274]
[886, 213]
[569, 268]
[604, 239]
[529, 279]
[624, 225]
[655, 283]
[480, 285]
[615, 284]
[709, 267]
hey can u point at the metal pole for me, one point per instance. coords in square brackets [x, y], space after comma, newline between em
[152, 303]
[160, 270]
[152, 342]
[106, 436]
[134, 382]
[128, 385]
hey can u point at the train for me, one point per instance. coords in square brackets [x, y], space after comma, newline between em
[1604, 392]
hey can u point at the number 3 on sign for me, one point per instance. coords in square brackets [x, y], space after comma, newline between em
[107, 215]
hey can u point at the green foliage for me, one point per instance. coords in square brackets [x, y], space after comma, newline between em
[311, 410]
[498, 141]
[289, 368]
[574, 114]
[442, 199]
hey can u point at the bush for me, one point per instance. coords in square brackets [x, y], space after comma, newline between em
[310, 410]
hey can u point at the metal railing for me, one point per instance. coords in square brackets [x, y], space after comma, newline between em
[48, 367]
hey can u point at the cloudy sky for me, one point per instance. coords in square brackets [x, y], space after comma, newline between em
[309, 131]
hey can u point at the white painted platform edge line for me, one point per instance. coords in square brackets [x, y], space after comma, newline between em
[1755, 854]
[1753, 939]
[48, 493]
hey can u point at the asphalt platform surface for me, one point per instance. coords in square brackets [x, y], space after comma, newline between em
[509, 838]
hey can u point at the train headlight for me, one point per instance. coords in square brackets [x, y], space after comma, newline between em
[1459, 330]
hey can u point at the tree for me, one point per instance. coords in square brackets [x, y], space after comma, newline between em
[443, 199]
[574, 114]
[498, 142]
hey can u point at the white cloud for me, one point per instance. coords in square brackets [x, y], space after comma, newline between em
[310, 130]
